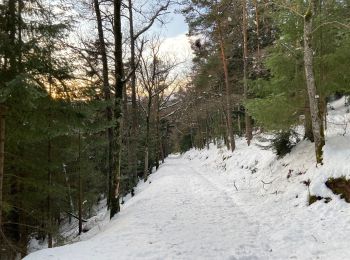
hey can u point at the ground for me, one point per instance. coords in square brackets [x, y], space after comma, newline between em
[214, 204]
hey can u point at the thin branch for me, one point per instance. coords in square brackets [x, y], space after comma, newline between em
[347, 26]
[152, 20]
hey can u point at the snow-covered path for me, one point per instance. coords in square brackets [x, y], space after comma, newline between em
[197, 220]
[180, 215]
[214, 204]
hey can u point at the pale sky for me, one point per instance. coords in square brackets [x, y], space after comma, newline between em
[176, 44]
[176, 26]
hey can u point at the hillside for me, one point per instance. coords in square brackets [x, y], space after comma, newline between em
[214, 204]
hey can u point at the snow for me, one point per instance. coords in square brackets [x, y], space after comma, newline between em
[214, 204]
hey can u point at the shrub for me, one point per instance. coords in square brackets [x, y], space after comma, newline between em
[284, 141]
[185, 143]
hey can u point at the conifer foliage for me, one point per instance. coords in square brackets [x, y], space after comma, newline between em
[280, 59]
[64, 99]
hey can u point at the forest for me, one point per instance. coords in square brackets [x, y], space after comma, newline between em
[91, 104]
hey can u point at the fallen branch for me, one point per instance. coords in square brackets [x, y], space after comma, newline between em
[266, 182]
[234, 184]
[75, 216]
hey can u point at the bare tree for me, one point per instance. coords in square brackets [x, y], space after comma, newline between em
[155, 77]
[134, 36]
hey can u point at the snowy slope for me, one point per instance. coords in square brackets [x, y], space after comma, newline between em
[214, 204]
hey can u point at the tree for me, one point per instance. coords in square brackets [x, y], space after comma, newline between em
[107, 97]
[227, 85]
[316, 119]
[248, 123]
[2, 160]
[155, 77]
[118, 89]
[212, 19]
[297, 67]
[134, 36]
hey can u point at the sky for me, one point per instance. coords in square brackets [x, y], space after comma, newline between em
[177, 25]
[176, 44]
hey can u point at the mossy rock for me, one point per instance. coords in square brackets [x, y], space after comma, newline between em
[314, 198]
[340, 186]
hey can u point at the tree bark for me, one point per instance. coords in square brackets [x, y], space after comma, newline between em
[146, 165]
[308, 124]
[134, 128]
[239, 124]
[257, 31]
[157, 137]
[49, 157]
[316, 118]
[71, 205]
[19, 21]
[80, 188]
[133, 80]
[49, 182]
[126, 147]
[2, 158]
[107, 97]
[119, 84]
[11, 22]
[230, 135]
[248, 122]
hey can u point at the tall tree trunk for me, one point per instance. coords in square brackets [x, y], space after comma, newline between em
[126, 136]
[239, 124]
[316, 118]
[133, 130]
[162, 153]
[228, 92]
[49, 182]
[12, 58]
[19, 21]
[107, 97]
[207, 128]
[80, 188]
[49, 159]
[248, 122]
[224, 127]
[157, 137]
[323, 72]
[323, 108]
[23, 230]
[147, 141]
[71, 205]
[307, 123]
[119, 84]
[2, 158]
[11, 24]
[257, 31]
